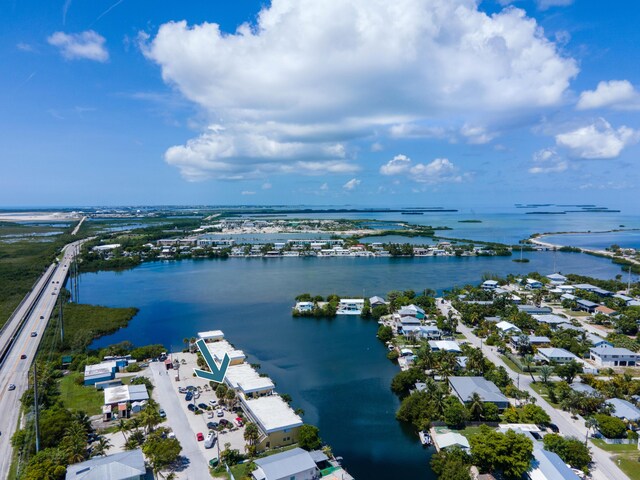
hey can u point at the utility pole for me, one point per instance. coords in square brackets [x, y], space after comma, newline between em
[61, 319]
[35, 404]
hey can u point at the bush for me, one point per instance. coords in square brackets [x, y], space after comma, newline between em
[385, 333]
[611, 427]
[393, 355]
[134, 367]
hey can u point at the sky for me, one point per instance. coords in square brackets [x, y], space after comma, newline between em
[332, 102]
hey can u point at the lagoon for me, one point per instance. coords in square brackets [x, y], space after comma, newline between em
[335, 370]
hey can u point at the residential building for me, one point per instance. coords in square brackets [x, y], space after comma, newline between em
[489, 285]
[465, 387]
[442, 441]
[119, 399]
[614, 357]
[586, 305]
[304, 307]
[276, 420]
[557, 279]
[533, 340]
[294, 464]
[444, 346]
[624, 410]
[556, 355]
[376, 301]
[533, 284]
[583, 388]
[533, 310]
[547, 465]
[506, 328]
[604, 310]
[128, 465]
[350, 306]
[211, 335]
[597, 341]
[100, 372]
[412, 311]
[550, 319]
[430, 332]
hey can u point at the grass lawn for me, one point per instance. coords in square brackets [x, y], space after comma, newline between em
[541, 389]
[512, 365]
[629, 464]
[571, 313]
[79, 397]
[469, 432]
[615, 448]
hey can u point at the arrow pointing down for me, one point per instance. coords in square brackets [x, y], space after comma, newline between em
[216, 374]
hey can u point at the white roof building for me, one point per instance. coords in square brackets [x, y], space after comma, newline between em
[451, 439]
[556, 355]
[243, 377]
[211, 335]
[125, 393]
[272, 413]
[444, 345]
[507, 327]
[219, 349]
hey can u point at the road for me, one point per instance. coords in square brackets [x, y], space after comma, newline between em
[14, 370]
[197, 468]
[604, 467]
[75, 230]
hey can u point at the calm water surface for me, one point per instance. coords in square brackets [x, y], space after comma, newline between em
[336, 370]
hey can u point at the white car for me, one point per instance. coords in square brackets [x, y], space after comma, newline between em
[220, 413]
[213, 403]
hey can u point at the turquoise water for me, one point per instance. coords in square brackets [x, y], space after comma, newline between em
[336, 370]
[597, 240]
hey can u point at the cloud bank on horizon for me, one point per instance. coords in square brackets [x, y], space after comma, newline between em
[295, 91]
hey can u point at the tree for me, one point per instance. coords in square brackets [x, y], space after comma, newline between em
[611, 427]
[385, 333]
[74, 443]
[491, 412]
[531, 413]
[221, 390]
[101, 447]
[570, 450]
[455, 413]
[406, 380]
[568, 371]
[415, 409]
[309, 437]
[475, 406]
[509, 452]
[379, 311]
[251, 436]
[48, 464]
[451, 464]
[545, 373]
[161, 452]
[122, 427]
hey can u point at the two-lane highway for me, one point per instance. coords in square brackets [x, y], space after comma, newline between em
[20, 338]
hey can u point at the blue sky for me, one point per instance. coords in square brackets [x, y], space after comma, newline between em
[367, 102]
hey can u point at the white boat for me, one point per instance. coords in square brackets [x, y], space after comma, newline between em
[425, 438]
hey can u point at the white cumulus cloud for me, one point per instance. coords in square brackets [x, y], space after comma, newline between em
[547, 160]
[618, 94]
[87, 45]
[300, 78]
[351, 184]
[440, 170]
[598, 140]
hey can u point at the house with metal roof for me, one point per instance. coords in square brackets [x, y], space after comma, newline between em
[534, 310]
[597, 341]
[444, 346]
[547, 465]
[489, 285]
[555, 355]
[127, 465]
[624, 410]
[507, 328]
[442, 441]
[376, 301]
[465, 387]
[412, 311]
[583, 388]
[614, 357]
[557, 279]
[294, 464]
[550, 319]
[533, 340]
[586, 305]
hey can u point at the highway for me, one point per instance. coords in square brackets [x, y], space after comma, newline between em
[603, 467]
[37, 308]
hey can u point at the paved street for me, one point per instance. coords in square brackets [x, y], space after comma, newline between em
[605, 468]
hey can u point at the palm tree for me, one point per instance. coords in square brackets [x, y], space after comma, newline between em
[545, 373]
[590, 423]
[251, 436]
[528, 360]
[476, 406]
[74, 442]
[186, 343]
[191, 345]
[100, 448]
[230, 397]
[123, 427]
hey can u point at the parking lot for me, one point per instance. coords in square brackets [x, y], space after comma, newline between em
[203, 396]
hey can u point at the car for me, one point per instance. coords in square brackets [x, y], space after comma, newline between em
[220, 413]
[191, 407]
[203, 406]
[225, 423]
[53, 293]
[212, 425]
[12, 387]
[239, 421]
[41, 317]
[213, 462]
[182, 390]
[554, 428]
[188, 397]
[34, 334]
[210, 441]
[162, 413]
[213, 403]
[23, 356]
[199, 436]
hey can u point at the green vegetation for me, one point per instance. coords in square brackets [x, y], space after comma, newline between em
[75, 396]
[309, 437]
[509, 453]
[570, 450]
[451, 464]
[322, 308]
[611, 427]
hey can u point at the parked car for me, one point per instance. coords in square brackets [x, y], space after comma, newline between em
[199, 436]
[192, 407]
[162, 413]
[182, 390]
[220, 413]
[239, 421]
[554, 428]
[213, 403]
[212, 425]
[203, 406]
[213, 462]
[210, 441]
[188, 397]
[225, 423]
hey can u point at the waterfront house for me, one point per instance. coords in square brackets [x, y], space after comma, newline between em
[624, 410]
[294, 464]
[430, 332]
[507, 328]
[555, 355]
[587, 287]
[614, 357]
[412, 311]
[219, 349]
[533, 310]
[442, 441]
[533, 284]
[304, 307]
[128, 465]
[602, 292]
[465, 387]
[489, 285]
[624, 298]
[277, 422]
[557, 279]
[547, 465]
[376, 301]
[211, 335]
[350, 306]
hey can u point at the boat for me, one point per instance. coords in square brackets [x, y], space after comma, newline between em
[425, 438]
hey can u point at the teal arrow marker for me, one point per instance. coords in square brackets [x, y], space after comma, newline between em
[216, 374]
